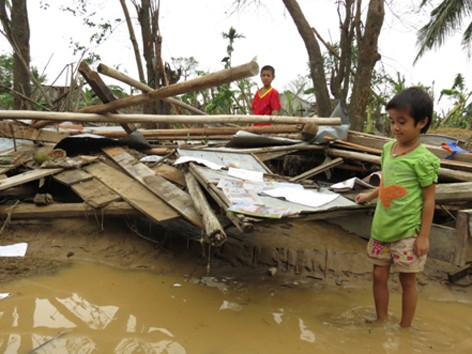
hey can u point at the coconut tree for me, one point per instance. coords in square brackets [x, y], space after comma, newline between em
[446, 18]
[231, 35]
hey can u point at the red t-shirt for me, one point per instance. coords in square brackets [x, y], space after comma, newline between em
[265, 104]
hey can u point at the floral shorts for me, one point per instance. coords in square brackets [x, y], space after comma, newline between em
[399, 253]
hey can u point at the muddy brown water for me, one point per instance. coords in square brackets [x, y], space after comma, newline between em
[91, 308]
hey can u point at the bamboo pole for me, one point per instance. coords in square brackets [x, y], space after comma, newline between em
[443, 172]
[154, 118]
[269, 129]
[115, 74]
[214, 79]
[214, 232]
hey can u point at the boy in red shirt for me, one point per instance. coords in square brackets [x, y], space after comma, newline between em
[266, 100]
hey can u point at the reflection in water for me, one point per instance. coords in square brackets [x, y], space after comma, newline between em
[96, 317]
[128, 346]
[47, 315]
[137, 312]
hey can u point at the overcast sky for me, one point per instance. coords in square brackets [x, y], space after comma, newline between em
[194, 28]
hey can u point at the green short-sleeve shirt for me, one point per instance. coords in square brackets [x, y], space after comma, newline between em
[399, 207]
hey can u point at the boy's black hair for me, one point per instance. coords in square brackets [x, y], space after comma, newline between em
[416, 102]
[268, 68]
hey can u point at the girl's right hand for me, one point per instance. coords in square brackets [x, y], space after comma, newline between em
[362, 198]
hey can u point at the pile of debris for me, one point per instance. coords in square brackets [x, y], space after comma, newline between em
[226, 173]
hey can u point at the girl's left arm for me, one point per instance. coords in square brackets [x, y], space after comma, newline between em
[421, 246]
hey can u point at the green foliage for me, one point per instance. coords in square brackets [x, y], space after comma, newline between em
[6, 81]
[446, 18]
[100, 28]
[460, 115]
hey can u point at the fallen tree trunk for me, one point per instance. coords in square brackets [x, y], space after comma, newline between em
[115, 74]
[221, 77]
[154, 118]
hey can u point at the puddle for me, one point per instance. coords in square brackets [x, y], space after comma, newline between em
[90, 308]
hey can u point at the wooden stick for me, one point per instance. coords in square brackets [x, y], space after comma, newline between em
[214, 232]
[314, 171]
[354, 146]
[221, 77]
[154, 118]
[115, 74]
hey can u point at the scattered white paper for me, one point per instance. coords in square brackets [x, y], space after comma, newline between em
[349, 184]
[16, 250]
[199, 160]
[242, 196]
[247, 175]
[302, 196]
[4, 295]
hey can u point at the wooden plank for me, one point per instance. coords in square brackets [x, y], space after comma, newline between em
[28, 176]
[447, 192]
[463, 233]
[69, 177]
[170, 173]
[66, 210]
[19, 131]
[133, 192]
[168, 192]
[95, 193]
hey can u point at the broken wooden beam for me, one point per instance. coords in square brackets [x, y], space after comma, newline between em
[214, 232]
[218, 78]
[115, 74]
[101, 90]
[155, 118]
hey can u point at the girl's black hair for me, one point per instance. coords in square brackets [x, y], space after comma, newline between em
[416, 102]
